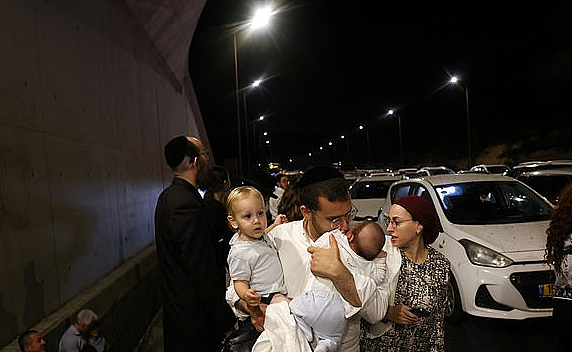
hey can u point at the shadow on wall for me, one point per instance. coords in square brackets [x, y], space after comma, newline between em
[8, 324]
[34, 303]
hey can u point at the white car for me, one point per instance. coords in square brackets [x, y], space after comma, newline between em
[435, 170]
[548, 182]
[368, 195]
[499, 169]
[494, 235]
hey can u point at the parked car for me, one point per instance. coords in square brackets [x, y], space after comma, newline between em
[499, 169]
[547, 182]
[540, 165]
[368, 194]
[494, 235]
[435, 170]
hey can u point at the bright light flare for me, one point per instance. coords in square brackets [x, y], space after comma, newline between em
[454, 79]
[256, 83]
[261, 18]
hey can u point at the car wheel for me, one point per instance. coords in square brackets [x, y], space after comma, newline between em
[454, 313]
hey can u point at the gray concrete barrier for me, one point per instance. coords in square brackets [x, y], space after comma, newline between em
[126, 301]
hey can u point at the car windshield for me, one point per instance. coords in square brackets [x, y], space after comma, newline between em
[490, 202]
[370, 189]
[497, 169]
[441, 171]
[548, 186]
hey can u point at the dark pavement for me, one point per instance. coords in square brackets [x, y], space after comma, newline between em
[476, 334]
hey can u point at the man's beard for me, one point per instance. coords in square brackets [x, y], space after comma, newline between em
[203, 174]
[319, 231]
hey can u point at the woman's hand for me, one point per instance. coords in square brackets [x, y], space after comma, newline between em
[400, 314]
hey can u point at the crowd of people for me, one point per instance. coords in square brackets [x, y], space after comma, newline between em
[287, 264]
[295, 270]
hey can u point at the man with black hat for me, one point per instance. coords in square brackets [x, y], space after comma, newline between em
[327, 209]
[194, 311]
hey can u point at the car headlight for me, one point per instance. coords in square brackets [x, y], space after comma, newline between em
[481, 255]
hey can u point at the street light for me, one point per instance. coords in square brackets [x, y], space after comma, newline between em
[392, 112]
[361, 127]
[256, 144]
[455, 80]
[253, 85]
[260, 19]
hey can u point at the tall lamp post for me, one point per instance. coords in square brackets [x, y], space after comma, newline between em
[260, 19]
[256, 145]
[392, 112]
[455, 80]
[361, 127]
[254, 84]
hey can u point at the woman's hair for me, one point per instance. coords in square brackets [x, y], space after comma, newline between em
[560, 228]
[217, 182]
[241, 193]
[289, 203]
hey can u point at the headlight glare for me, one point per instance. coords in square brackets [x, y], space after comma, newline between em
[481, 255]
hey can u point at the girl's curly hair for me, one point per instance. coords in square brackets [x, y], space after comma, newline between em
[560, 228]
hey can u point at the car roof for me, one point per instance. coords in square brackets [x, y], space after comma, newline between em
[533, 164]
[438, 180]
[435, 168]
[491, 165]
[548, 172]
[379, 177]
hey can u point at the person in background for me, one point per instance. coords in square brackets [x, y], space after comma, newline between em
[195, 314]
[215, 201]
[559, 256]
[289, 204]
[281, 185]
[31, 341]
[418, 276]
[75, 338]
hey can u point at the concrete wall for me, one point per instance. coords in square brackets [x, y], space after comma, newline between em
[89, 93]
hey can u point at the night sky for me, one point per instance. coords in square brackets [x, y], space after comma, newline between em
[330, 66]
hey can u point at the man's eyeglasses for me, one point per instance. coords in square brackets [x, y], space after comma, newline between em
[337, 222]
[206, 152]
[395, 222]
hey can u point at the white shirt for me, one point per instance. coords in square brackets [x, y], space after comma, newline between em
[273, 202]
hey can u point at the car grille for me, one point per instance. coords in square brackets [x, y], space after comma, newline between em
[527, 284]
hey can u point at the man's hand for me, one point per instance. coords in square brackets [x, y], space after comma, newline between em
[252, 298]
[400, 314]
[326, 262]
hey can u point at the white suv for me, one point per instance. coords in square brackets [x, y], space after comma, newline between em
[494, 235]
[368, 195]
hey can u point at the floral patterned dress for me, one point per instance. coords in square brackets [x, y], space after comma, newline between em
[421, 286]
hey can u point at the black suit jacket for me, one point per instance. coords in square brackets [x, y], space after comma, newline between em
[195, 313]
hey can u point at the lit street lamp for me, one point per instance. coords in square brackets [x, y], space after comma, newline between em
[256, 145]
[455, 80]
[253, 85]
[392, 112]
[361, 127]
[260, 19]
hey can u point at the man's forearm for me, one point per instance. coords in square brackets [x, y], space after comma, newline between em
[346, 286]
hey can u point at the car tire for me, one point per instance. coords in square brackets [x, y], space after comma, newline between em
[454, 313]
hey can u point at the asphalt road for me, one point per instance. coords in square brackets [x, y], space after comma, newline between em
[491, 335]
